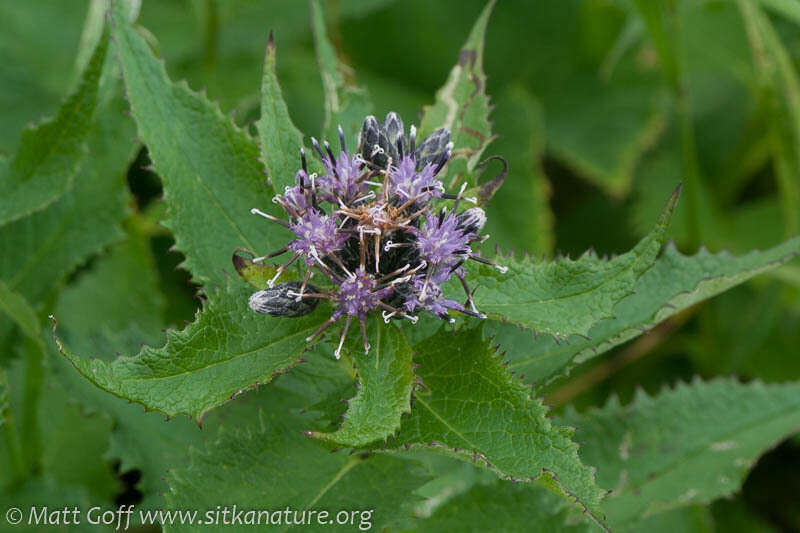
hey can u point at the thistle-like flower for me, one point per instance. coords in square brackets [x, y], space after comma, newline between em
[368, 225]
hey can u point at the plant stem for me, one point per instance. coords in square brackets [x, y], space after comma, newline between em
[29, 427]
[612, 365]
[10, 430]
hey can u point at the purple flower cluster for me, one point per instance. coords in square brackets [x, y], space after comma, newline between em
[377, 241]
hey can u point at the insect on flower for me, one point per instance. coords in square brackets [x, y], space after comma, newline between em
[368, 225]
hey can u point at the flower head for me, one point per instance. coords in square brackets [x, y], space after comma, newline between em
[369, 226]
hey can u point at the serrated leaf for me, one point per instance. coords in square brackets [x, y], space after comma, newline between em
[41, 249]
[386, 379]
[212, 177]
[280, 139]
[302, 474]
[472, 409]
[565, 297]
[502, 507]
[226, 350]
[462, 106]
[100, 314]
[673, 284]
[345, 102]
[50, 154]
[685, 446]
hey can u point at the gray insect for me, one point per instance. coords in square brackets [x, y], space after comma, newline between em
[281, 300]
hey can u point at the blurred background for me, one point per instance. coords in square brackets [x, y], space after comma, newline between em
[601, 108]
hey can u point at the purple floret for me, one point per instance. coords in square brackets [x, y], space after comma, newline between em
[428, 295]
[407, 183]
[357, 295]
[342, 180]
[440, 240]
[317, 235]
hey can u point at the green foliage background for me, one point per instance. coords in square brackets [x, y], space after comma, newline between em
[601, 108]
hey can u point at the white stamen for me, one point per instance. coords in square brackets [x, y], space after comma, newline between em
[376, 149]
[375, 183]
[387, 315]
[501, 268]
[370, 194]
[471, 199]
[338, 352]
[271, 282]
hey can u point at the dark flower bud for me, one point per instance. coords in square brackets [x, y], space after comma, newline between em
[395, 131]
[471, 220]
[375, 145]
[282, 300]
[434, 149]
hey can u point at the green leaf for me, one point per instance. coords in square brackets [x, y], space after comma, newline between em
[50, 154]
[17, 308]
[673, 284]
[781, 84]
[345, 102]
[788, 8]
[302, 474]
[102, 303]
[691, 519]
[39, 492]
[209, 166]
[603, 102]
[565, 297]
[40, 250]
[4, 403]
[502, 507]
[519, 217]
[689, 445]
[256, 274]
[75, 444]
[37, 72]
[462, 106]
[386, 379]
[472, 409]
[280, 139]
[226, 350]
